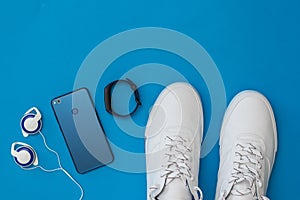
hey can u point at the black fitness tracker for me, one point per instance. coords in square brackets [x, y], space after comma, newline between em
[108, 98]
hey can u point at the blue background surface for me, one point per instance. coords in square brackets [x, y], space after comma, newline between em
[255, 45]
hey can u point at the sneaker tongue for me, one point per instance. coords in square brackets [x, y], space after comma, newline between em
[176, 190]
[244, 197]
[240, 186]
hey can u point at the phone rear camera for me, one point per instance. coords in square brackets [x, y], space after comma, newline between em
[74, 111]
[58, 101]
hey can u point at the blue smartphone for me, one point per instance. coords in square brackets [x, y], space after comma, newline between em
[82, 130]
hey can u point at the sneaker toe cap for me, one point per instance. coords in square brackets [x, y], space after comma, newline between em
[177, 107]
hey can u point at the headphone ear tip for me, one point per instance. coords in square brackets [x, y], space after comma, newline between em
[24, 133]
[36, 162]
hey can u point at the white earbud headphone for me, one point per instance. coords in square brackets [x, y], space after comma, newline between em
[31, 122]
[24, 155]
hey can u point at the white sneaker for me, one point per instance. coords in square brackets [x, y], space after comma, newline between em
[248, 144]
[173, 138]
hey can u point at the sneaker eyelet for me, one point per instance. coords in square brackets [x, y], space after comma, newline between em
[259, 166]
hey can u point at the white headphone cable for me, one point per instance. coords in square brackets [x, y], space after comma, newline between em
[56, 169]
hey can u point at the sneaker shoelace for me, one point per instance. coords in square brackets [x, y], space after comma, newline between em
[247, 167]
[178, 164]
